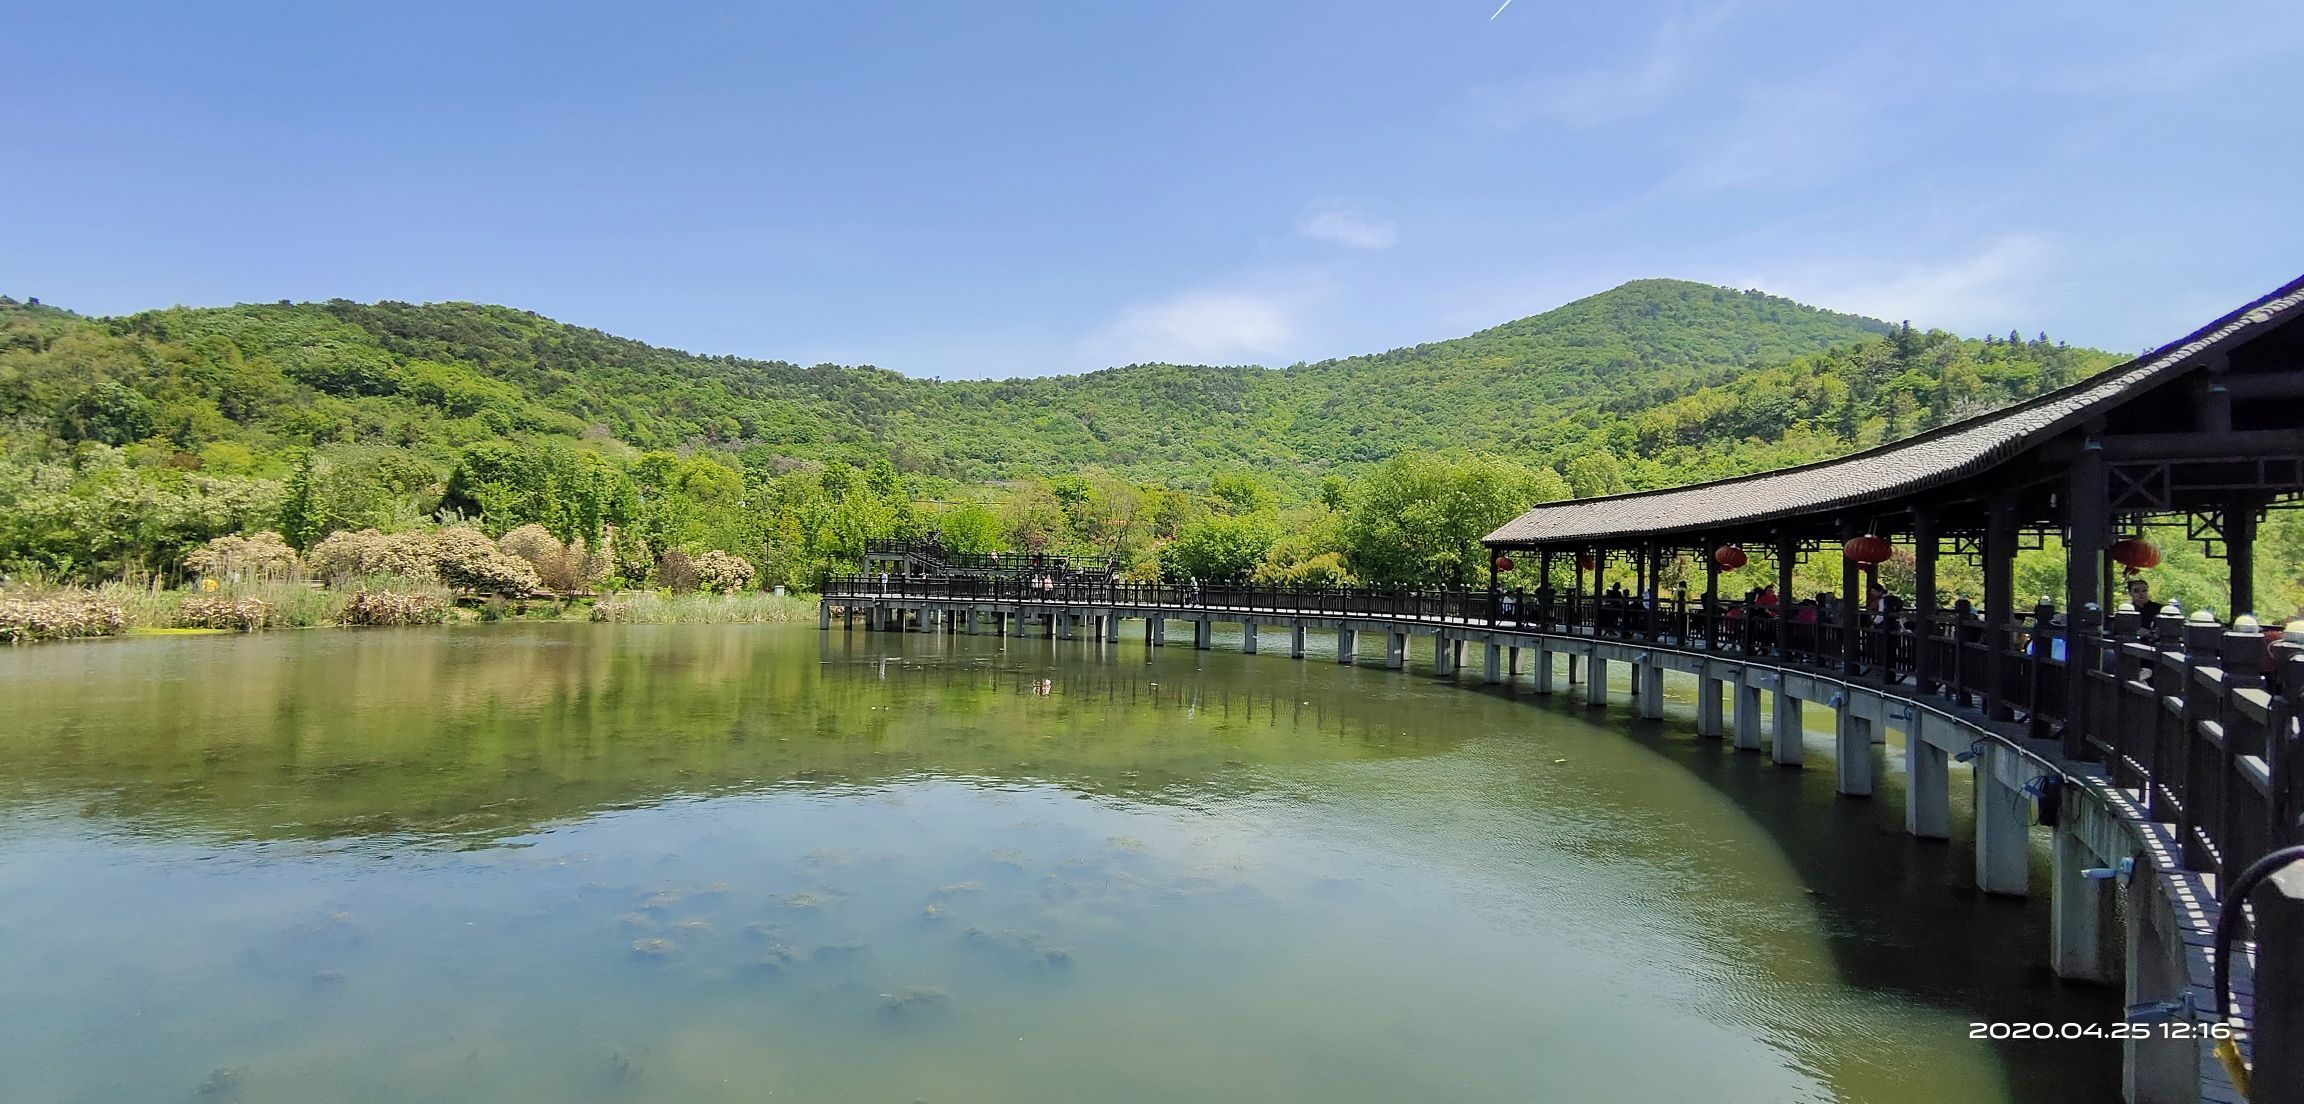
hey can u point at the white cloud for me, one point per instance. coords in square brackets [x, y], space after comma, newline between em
[1197, 327]
[1344, 224]
[1995, 287]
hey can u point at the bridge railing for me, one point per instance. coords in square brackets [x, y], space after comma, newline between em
[2198, 716]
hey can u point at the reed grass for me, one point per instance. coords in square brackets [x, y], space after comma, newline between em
[652, 607]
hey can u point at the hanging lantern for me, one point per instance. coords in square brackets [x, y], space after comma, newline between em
[1870, 550]
[1586, 561]
[1503, 563]
[2135, 554]
[1730, 557]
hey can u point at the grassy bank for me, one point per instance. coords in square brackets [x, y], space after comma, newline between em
[36, 612]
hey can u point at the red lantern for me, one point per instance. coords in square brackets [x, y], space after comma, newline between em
[1730, 557]
[1503, 563]
[2135, 554]
[1586, 561]
[1870, 550]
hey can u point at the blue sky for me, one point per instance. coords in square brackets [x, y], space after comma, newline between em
[998, 188]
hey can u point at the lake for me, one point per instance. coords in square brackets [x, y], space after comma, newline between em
[739, 863]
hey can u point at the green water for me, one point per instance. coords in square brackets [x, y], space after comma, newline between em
[704, 863]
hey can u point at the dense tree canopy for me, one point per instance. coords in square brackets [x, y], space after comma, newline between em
[127, 443]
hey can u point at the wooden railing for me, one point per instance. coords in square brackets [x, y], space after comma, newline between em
[2198, 716]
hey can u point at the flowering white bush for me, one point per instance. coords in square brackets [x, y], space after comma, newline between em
[263, 555]
[725, 573]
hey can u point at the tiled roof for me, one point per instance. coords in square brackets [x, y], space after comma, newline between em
[1877, 474]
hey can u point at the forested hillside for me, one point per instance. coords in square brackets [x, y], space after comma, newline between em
[128, 441]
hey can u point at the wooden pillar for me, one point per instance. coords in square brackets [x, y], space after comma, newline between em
[2088, 533]
[2240, 554]
[1851, 602]
[1787, 557]
[1711, 596]
[1923, 597]
[1999, 601]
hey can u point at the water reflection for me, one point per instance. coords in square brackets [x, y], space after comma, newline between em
[702, 863]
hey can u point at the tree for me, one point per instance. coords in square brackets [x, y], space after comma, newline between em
[107, 412]
[1419, 519]
[1223, 548]
[1596, 473]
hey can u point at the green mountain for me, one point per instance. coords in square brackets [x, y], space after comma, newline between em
[455, 372]
[127, 439]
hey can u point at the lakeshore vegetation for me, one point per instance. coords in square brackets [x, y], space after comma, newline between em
[418, 451]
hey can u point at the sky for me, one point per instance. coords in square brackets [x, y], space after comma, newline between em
[997, 188]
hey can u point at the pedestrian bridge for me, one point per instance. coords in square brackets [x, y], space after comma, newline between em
[1756, 690]
[2161, 749]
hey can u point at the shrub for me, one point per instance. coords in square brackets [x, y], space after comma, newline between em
[346, 554]
[560, 567]
[235, 556]
[58, 617]
[216, 611]
[458, 556]
[724, 573]
[628, 556]
[676, 572]
[466, 558]
[383, 607]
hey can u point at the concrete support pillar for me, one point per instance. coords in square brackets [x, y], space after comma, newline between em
[1443, 655]
[1492, 665]
[1347, 643]
[2158, 1070]
[824, 617]
[1574, 662]
[1048, 624]
[2080, 910]
[1543, 670]
[1632, 685]
[1596, 681]
[1016, 622]
[1852, 754]
[1928, 801]
[1747, 717]
[2003, 825]
[1158, 627]
[1711, 707]
[1203, 634]
[1512, 662]
[1296, 640]
[1112, 626]
[1788, 747]
[1248, 637]
[1395, 650]
[1067, 624]
[1651, 696]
